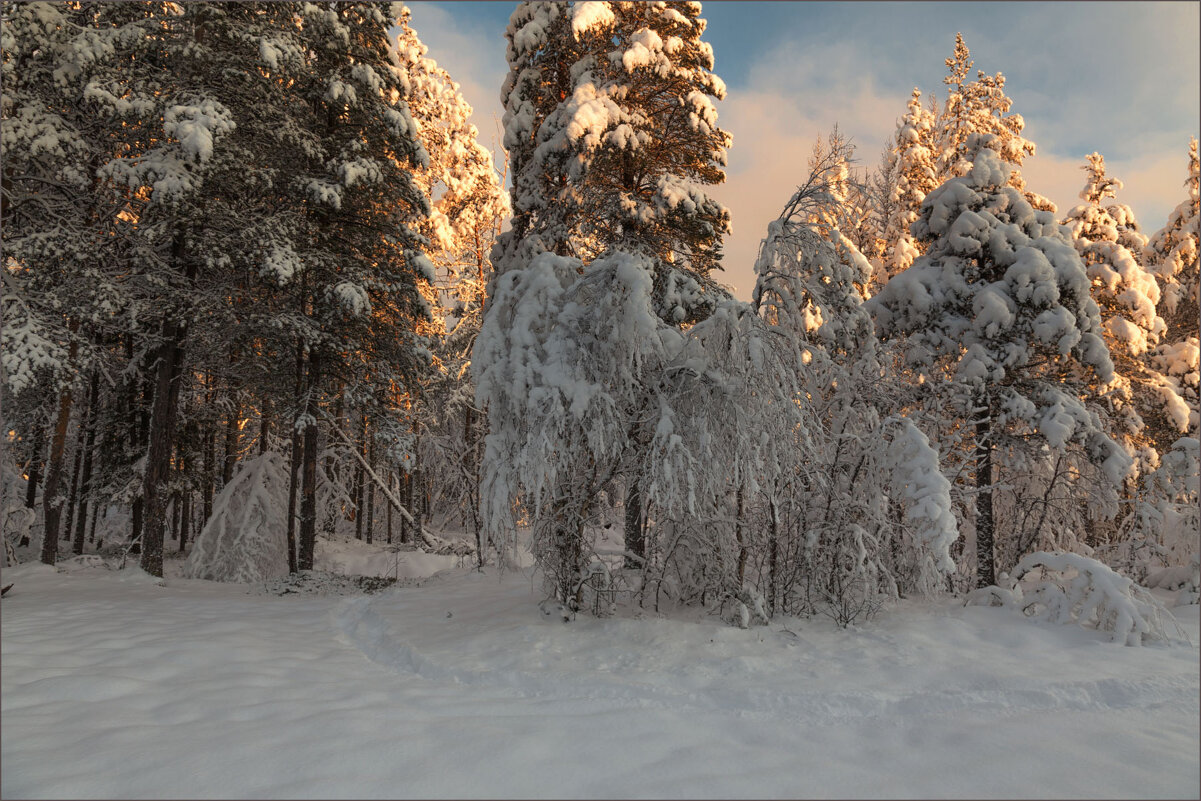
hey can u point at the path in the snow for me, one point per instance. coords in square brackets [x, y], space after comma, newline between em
[612, 670]
[114, 687]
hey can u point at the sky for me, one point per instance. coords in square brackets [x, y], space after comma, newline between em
[1117, 78]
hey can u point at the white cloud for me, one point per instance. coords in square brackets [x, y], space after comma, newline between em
[798, 97]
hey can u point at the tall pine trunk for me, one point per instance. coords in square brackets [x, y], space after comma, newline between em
[51, 506]
[35, 466]
[389, 513]
[209, 443]
[308, 502]
[231, 444]
[358, 490]
[141, 427]
[89, 446]
[370, 523]
[773, 563]
[635, 542]
[163, 413]
[76, 468]
[473, 476]
[185, 505]
[984, 511]
[407, 493]
[265, 427]
[294, 480]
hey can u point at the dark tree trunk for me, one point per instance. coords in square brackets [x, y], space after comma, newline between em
[984, 516]
[231, 445]
[140, 426]
[389, 513]
[51, 504]
[357, 490]
[473, 474]
[635, 543]
[294, 480]
[86, 481]
[356, 497]
[308, 503]
[76, 468]
[773, 559]
[185, 507]
[407, 493]
[96, 515]
[292, 486]
[162, 435]
[206, 488]
[136, 525]
[35, 466]
[421, 513]
[265, 427]
[370, 496]
[174, 505]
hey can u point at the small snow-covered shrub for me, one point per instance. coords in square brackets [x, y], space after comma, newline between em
[245, 540]
[1184, 579]
[18, 523]
[1077, 589]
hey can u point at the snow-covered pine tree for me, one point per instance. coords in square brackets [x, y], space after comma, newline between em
[998, 315]
[1167, 515]
[1152, 415]
[66, 286]
[639, 142]
[541, 52]
[362, 299]
[976, 106]
[911, 177]
[469, 206]
[612, 138]
[1172, 255]
[468, 200]
[205, 171]
[638, 137]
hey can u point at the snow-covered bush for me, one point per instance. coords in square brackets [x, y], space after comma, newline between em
[245, 540]
[1070, 588]
[1184, 580]
[1164, 530]
[863, 514]
[562, 362]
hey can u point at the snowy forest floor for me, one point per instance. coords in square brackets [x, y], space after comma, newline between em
[456, 685]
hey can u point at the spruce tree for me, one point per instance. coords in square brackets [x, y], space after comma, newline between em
[976, 106]
[469, 205]
[912, 176]
[1172, 255]
[363, 297]
[998, 315]
[1109, 241]
[613, 138]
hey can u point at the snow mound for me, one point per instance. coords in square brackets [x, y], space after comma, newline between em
[245, 540]
[1081, 590]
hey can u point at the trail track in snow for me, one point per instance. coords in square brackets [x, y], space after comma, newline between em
[754, 693]
[117, 686]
